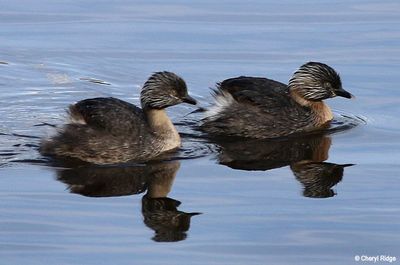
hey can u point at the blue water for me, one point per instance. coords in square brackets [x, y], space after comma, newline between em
[51, 55]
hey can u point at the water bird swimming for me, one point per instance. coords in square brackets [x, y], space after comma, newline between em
[256, 107]
[109, 130]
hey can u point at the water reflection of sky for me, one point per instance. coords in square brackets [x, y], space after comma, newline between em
[54, 53]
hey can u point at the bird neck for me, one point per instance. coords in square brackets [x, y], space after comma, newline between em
[161, 182]
[322, 113]
[162, 126]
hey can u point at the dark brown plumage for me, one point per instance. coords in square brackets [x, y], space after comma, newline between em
[109, 130]
[258, 107]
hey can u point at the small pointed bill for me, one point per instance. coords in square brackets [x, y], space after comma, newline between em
[343, 93]
[188, 99]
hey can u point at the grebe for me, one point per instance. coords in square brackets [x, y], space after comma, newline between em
[258, 107]
[109, 130]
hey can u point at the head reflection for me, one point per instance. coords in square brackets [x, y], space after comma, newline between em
[318, 178]
[156, 179]
[305, 155]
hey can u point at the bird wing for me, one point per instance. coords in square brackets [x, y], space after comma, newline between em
[266, 94]
[110, 114]
[254, 107]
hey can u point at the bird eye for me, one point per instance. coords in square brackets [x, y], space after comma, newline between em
[327, 85]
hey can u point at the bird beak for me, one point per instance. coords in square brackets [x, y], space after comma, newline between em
[347, 165]
[193, 214]
[343, 93]
[188, 99]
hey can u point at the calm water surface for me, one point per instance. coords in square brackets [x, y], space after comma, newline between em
[315, 200]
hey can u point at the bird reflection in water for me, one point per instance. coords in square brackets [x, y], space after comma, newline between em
[160, 212]
[305, 155]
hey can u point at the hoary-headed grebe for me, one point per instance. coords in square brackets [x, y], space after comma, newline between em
[258, 107]
[109, 130]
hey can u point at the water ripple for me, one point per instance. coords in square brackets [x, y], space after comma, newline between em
[345, 121]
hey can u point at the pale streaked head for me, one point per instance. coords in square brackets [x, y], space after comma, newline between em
[316, 81]
[164, 89]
